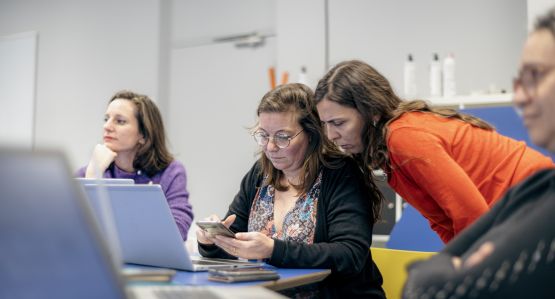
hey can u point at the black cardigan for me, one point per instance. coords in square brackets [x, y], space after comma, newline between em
[522, 228]
[342, 238]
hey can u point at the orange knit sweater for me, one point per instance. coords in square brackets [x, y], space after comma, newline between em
[453, 172]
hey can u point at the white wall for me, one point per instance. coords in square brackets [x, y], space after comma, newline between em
[214, 92]
[211, 111]
[87, 50]
[537, 8]
[485, 37]
[301, 38]
[199, 21]
[18, 54]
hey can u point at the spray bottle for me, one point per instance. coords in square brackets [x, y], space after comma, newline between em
[449, 85]
[410, 78]
[435, 76]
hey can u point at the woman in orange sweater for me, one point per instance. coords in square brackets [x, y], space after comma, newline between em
[450, 166]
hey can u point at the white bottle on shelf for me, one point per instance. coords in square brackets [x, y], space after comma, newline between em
[410, 78]
[435, 77]
[449, 83]
[302, 76]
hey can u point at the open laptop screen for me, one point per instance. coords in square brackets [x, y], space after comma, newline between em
[48, 245]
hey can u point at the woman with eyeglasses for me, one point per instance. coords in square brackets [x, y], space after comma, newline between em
[510, 251]
[450, 166]
[303, 204]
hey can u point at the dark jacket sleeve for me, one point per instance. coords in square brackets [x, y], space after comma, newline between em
[344, 227]
[520, 228]
[438, 272]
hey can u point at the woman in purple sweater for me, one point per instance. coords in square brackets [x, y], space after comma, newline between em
[135, 148]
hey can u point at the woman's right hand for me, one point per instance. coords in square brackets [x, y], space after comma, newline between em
[204, 238]
[101, 158]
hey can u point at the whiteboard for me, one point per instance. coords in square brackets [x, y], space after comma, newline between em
[17, 88]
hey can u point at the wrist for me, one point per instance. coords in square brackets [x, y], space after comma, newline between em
[207, 243]
[89, 171]
[270, 249]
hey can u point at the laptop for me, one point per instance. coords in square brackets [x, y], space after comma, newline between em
[147, 231]
[92, 181]
[50, 247]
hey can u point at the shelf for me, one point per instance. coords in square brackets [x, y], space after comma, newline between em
[473, 100]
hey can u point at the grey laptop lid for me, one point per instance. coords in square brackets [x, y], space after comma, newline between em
[49, 247]
[147, 231]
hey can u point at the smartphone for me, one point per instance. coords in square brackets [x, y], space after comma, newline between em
[149, 274]
[215, 228]
[242, 274]
[241, 271]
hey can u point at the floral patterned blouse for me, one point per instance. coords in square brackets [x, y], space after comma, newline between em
[298, 224]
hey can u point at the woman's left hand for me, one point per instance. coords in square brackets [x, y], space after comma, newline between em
[251, 245]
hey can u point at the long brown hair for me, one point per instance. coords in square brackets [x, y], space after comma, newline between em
[152, 156]
[298, 98]
[422, 106]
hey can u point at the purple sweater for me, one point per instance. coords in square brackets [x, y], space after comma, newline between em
[173, 181]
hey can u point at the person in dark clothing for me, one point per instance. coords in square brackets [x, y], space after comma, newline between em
[303, 204]
[510, 251]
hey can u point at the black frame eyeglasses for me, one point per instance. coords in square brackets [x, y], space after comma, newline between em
[281, 141]
[529, 78]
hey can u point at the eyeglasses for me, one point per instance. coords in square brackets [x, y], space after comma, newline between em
[529, 77]
[280, 140]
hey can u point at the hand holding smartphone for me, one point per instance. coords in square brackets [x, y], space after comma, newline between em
[214, 228]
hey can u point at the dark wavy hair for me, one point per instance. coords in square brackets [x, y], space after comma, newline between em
[298, 98]
[152, 156]
[546, 21]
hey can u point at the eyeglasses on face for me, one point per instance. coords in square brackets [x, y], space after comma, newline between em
[530, 77]
[281, 140]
